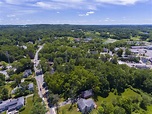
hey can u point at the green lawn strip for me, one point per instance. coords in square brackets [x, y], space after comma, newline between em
[66, 109]
[135, 38]
[8, 86]
[149, 109]
[4, 112]
[28, 105]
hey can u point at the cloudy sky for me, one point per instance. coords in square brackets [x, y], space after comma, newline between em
[99, 12]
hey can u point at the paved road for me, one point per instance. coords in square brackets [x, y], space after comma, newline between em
[41, 90]
[39, 78]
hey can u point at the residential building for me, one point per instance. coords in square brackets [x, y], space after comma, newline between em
[86, 105]
[12, 104]
[27, 73]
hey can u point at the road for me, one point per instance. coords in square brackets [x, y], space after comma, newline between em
[40, 81]
[39, 78]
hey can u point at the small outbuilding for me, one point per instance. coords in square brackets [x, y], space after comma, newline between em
[87, 94]
[31, 87]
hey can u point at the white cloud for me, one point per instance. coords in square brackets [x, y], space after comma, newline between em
[120, 2]
[17, 2]
[87, 14]
[67, 4]
[53, 5]
[75, 1]
[11, 15]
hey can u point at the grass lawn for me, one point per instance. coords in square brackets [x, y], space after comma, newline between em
[66, 110]
[8, 86]
[109, 40]
[135, 38]
[4, 112]
[149, 109]
[28, 105]
[128, 93]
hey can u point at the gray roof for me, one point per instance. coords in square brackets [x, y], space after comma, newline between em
[82, 103]
[27, 73]
[30, 86]
[11, 104]
[20, 100]
[87, 93]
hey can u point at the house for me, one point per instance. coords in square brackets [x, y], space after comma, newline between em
[138, 47]
[134, 51]
[77, 39]
[15, 89]
[86, 105]
[31, 87]
[12, 104]
[86, 94]
[142, 67]
[87, 39]
[27, 73]
[105, 50]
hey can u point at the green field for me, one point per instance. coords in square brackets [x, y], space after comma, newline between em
[109, 40]
[137, 38]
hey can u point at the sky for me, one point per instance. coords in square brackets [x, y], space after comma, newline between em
[79, 12]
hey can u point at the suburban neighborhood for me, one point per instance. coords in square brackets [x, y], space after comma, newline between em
[77, 71]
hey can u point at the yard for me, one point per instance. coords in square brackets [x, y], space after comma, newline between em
[8, 86]
[109, 40]
[28, 105]
[66, 110]
[128, 93]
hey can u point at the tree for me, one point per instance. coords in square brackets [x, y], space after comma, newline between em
[108, 108]
[120, 52]
[4, 65]
[38, 108]
[119, 110]
[127, 52]
[2, 79]
[4, 93]
[100, 110]
[145, 102]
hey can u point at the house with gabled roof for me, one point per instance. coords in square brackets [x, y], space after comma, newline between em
[86, 105]
[27, 73]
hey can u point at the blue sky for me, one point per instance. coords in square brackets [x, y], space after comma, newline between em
[98, 12]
